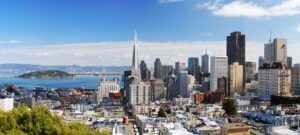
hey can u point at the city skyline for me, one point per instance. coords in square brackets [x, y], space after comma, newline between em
[91, 33]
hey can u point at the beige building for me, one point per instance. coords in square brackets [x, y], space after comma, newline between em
[274, 79]
[236, 79]
[235, 129]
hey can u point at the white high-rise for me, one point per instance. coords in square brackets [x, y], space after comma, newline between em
[218, 69]
[276, 51]
[107, 86]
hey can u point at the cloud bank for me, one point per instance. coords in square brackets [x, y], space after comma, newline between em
[120, 53]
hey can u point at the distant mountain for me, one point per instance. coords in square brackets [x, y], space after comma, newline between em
[47, 74]
[17, 69]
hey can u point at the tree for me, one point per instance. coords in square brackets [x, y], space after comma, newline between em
[161, 112]
[230, 107]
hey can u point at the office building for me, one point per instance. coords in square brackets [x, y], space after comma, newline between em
[289, 62]
[186, 84]
[194, 67]
[172, 87]
[157, 68]
[179, 66]
[296, 79]
[218, 69]
[158, 90]
[6, 104]
[250, 68]
[276, 51]
[236, 79]
[165, 71]
[205, 63]
[274, 79]
[145, 72]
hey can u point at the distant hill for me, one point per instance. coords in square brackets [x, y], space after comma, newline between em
[17, 69]
[47, 74]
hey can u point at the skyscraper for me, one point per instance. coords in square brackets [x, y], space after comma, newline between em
[139, 91]
[158, 90]
[205, 63]
[236, 79]
[157, 68]
[165, 71]
[186, 83]
[276, 51]
[250, 68]
[236, 48]
[218, 69]
[145, 72]
[194, 67]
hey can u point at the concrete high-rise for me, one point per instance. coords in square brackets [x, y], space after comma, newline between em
[165, 71]
[194, 67]
[276, 51]
[205, 63]
[250, 68]
[186, 83]
[157, 68]
[296, 79]
[236, 79]
[218, 69]
[158, 90]
[145, 72]
[274, 79]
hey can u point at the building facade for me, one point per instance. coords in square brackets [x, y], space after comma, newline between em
[157, 68]
[236, 79]
[194, 67]
[276, 51]
[205, 59]
[250, 68]
[296, 79]
[106, 87]
[218, 69]
[158, 90]
[145, 72]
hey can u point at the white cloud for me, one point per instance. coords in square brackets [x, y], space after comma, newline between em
[11, 41]
[298, 28]
[168, 1]
[250, 9]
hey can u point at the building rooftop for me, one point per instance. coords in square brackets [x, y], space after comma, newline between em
[235, 126]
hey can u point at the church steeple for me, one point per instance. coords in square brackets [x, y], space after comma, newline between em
[135, 67]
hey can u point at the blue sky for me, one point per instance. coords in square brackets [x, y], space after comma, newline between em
[41, 27]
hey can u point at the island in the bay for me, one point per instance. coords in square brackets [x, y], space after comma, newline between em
[47, 74]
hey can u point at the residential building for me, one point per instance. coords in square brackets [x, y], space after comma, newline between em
[106, 87]
[274, 79]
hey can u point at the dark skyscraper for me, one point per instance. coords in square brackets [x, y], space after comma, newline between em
[236, 47]
[157, 68]
[194, 67]
[145, 72]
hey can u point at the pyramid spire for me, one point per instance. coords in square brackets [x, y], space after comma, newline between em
[135, 69]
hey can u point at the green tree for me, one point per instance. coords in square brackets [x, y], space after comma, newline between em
[161, 112]
[230, 107]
